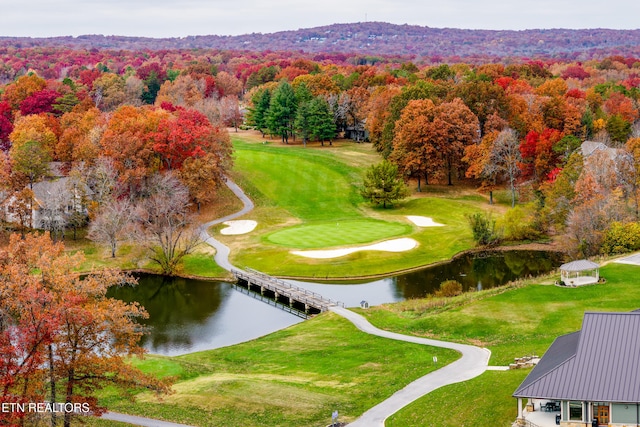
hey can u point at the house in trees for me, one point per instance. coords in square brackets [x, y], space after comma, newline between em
[356, 133]
[587, 378]
[589, 148]
[51, 205]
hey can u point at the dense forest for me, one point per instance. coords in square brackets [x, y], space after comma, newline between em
[110, 121]
[380, 38]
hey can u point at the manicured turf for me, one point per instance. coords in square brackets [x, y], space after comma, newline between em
[310, 184]
[339, 233]
[483, 401]
[308, 198]
[294, 377]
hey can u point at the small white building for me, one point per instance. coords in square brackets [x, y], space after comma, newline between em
[581, 272]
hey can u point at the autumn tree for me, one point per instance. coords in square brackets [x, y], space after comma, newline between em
[598, 201]
[126, 140]
[632, 171]
[22, 88]
[202, 176]
[230, 113]
[164, 222]
[455, 127]
[30, 159]
[6, 126]
[185, 91]
[353, 105]
[383, 140]
[559, 194]
[382, 184]
[109, 91]
[36, 128]
[63, 340]
[482, 97]
[80, 136]
[112, 223]
[413, 150]
[538, 156]
[505, 159]
[228, 85]
[496, 157]
[378, 112]
[188, 133]
[39, 102]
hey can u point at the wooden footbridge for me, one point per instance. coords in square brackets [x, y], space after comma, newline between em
[303, 301]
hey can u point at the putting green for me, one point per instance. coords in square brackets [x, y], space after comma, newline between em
[338, 233]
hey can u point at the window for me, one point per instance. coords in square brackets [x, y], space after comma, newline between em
[575, 411]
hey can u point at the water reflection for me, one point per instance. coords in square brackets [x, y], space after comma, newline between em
[474, 271]
[188, 315]
[479, 272]
[191, 315]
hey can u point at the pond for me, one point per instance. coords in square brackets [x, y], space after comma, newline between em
[187, 315]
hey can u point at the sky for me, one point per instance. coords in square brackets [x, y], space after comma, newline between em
[181, 18]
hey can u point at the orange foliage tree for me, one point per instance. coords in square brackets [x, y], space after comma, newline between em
[62, 339]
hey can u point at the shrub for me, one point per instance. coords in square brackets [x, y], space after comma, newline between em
[483, 228]
[449, 288]
[519, 223]
[621, 238]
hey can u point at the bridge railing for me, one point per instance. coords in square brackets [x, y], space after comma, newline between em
[260, 278]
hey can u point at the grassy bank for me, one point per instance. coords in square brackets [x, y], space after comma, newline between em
[483, 401]
[294, 377]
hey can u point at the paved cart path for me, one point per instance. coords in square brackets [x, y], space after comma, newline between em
[473, 362]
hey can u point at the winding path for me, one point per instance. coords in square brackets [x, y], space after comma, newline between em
[222, 251]
[473, 362]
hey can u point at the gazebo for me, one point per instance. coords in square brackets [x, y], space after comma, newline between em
[581, 272]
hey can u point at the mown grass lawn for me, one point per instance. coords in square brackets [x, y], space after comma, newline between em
[308, 198]
[483, 401]
[339, 233]
[294, 377]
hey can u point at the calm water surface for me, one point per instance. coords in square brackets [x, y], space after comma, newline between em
[188, 315]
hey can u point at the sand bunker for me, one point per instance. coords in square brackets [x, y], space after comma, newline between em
[423, 221]
[238, 227]
[396, 245]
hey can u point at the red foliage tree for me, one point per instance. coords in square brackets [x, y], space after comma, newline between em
[6, 127]
[39, 102]
[538, 157]
[187, 133]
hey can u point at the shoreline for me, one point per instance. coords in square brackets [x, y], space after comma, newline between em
[534, 246]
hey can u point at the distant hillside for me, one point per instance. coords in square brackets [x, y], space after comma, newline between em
[379, 38]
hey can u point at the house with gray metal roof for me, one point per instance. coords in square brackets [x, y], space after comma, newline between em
[587, 378]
